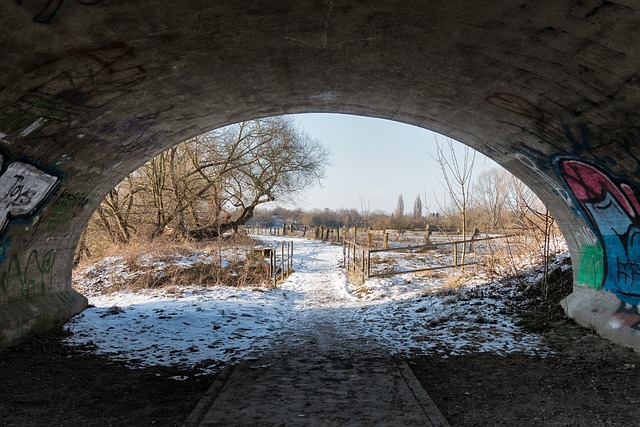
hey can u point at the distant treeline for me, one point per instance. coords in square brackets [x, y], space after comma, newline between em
[329, 218]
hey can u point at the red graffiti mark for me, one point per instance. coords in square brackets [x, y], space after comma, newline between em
[590, 185]
[622, 317]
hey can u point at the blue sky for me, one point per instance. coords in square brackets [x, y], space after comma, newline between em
[373, 162]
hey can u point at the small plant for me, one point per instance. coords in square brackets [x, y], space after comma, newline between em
[480, 319]
[432, 323]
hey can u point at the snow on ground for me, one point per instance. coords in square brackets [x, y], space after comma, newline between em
[207, 327]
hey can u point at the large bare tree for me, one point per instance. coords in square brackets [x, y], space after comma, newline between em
[210, 184]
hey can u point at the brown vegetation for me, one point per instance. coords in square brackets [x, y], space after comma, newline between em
[169, 265]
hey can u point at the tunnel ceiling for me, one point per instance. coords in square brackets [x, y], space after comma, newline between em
[112, 83]
[91, 91]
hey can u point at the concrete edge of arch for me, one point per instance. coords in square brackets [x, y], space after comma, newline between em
[26, 317]
[602, 312]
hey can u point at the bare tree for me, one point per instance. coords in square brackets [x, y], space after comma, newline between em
[534, 217]
[210, 184]
[492, 190]
[457, 172]
[365, 209]
[417, 208]
[399, 212]
[114, 213]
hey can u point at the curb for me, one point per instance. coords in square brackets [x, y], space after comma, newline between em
[422, 397]
[201, 409]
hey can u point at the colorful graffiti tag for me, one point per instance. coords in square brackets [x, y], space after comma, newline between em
[612, 208]
[590, 271]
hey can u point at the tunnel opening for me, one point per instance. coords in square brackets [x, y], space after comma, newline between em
[207, 264]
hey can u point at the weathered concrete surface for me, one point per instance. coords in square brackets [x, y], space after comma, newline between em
[37, 314]
[319, 379]
[549, 89]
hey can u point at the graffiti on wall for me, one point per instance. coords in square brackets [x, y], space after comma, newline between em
[533, 165]
[590, 271]
[625, 315]
[67, 206]
[516, 104]
[46, 10]
[612, 208]
[610, 245]
[135, 134]
[80, 81]
[23, 189]
[33, 274]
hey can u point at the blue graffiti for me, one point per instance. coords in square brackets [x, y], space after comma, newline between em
[613, 210]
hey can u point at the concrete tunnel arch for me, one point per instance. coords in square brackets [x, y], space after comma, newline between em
[88, 92]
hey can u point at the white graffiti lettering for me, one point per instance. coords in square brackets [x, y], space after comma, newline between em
[23, 187]
[561, 192]
[586, 237]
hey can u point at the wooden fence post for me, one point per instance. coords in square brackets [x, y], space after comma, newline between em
[272, 266]
[348, 259]
[344, 253]
[282, 262]
[290, 258]
[476, 234]
[354, 255]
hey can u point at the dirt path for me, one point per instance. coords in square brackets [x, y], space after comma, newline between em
[588, 382]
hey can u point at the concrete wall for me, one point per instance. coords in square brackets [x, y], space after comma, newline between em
[548, 89]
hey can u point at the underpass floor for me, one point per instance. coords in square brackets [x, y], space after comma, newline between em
[321, 378]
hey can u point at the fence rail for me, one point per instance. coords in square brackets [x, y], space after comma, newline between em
[357, 257]
[358, 245]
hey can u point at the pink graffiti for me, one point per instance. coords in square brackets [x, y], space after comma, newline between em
[591, 185]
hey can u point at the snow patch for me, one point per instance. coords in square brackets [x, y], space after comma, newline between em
[204, 328]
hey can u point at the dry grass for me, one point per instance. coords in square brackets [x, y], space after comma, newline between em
[202, 274]
[170, 265]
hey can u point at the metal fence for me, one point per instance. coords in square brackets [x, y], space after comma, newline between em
[280, 260]
[357, 257]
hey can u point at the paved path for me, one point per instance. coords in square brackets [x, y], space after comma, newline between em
[320, 371]
[318, 380]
